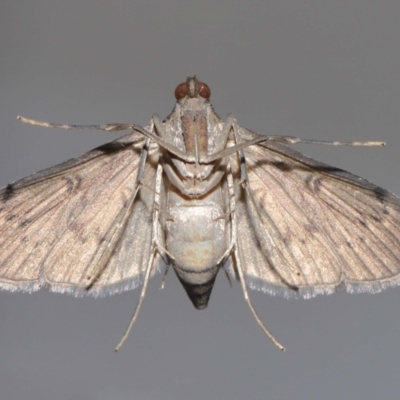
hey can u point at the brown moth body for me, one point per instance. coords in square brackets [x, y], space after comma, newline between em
[199, 194]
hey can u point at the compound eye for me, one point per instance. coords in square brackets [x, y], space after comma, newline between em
[181, 91]
[203, 90]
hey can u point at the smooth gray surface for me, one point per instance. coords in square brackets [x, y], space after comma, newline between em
[319, 69]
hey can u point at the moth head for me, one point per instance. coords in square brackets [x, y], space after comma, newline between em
[192, 88]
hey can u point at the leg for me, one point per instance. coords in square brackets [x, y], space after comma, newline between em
[119, 227]
[237, 259]
[265, 239]
[150, 264]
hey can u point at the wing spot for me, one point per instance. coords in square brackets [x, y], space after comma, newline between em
[70, 184]
[282, 166]
[363, 223]
[24, 223]
[376, 218]
[78, 180]
[317, 185]
[111, 147]
[311, 228]
[380, 193]
[8, 192]
[314, 183]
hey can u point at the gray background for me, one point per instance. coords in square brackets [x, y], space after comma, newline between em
[317, 69]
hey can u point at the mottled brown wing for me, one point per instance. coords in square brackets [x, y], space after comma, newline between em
[68, 224]
[306, 228]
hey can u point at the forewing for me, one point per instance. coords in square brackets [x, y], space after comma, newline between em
[75, 224]
[307, 228]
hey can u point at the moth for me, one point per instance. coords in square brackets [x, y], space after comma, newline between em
[199, 194]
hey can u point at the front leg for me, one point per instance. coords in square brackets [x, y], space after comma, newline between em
[195, 187]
